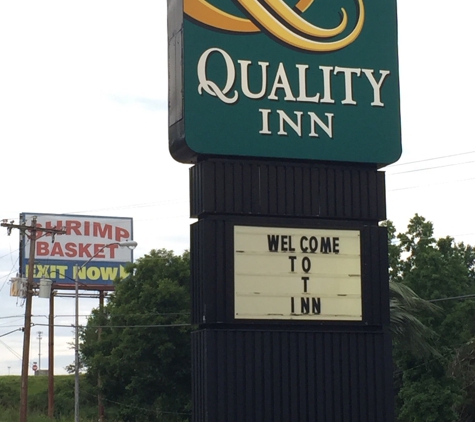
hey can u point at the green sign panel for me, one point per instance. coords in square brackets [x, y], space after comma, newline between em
[293, 79]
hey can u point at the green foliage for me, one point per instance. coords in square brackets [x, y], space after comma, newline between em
[435, 386]
[143, 355]
[8, 395]
[408, 332]
[38, 399]
[430, 399]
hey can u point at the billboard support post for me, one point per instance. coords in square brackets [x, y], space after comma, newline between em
[51, 357]
[100, 403]
[76, 346]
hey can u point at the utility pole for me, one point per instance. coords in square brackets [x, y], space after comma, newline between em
[40, 334]
[51, 357]
[100, 402]
[31, 232]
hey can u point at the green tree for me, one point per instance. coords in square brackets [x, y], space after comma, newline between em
[143, 356]
[435, 388]
[409, 333]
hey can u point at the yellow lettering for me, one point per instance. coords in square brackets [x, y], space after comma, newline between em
[123, 273]
[93, 273]
[41, 271]
[109, 273]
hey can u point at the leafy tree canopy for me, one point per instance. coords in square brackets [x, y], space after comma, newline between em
[425, 271]
[143, 353]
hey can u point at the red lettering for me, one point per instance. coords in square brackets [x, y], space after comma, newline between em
[70, 250]
[121, 233]
[84, 250]
[73, 226]
[97, 250]
[112, 249]
[57, 250]
[99, 231]
[87, 228]
[42, 248]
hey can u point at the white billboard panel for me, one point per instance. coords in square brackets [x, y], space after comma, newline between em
[86, 237]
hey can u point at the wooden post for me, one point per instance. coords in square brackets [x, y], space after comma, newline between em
[100, 403]
[51, 357]
[27, 327]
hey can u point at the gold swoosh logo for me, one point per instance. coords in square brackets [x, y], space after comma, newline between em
[291, 29]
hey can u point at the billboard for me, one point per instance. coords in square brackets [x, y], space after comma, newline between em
[86, 236]
[293, 79]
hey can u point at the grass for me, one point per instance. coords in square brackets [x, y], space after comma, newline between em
[12, 415]
[38, 399]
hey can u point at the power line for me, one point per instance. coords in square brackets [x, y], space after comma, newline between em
[452, 298]
[146, 410]
[441, 356]
[10, 253]
[11, 350]
[431, 168]
[434, 158]
[431, 184]
[6, 334]
[10, 324]
[12, 270]
[122, 315]
[118, 326]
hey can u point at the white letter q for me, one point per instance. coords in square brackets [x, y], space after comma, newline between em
[209, 86]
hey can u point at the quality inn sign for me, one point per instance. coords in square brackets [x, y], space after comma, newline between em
[295, 79]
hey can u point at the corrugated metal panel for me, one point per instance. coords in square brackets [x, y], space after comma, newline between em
[287, 189]
[279, 371]
[292, 376]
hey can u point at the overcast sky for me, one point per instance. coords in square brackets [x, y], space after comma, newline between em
[83, 129]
